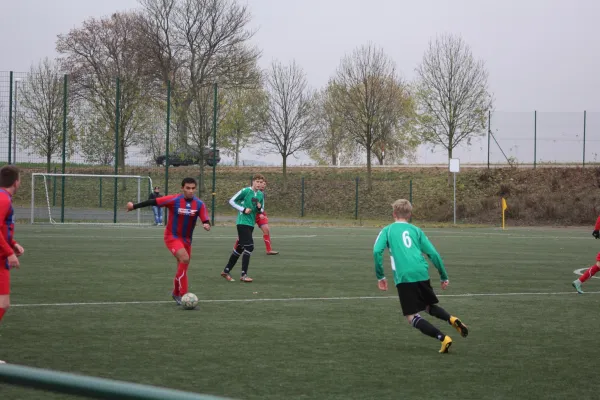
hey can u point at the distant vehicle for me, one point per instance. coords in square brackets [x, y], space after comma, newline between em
[189, 157]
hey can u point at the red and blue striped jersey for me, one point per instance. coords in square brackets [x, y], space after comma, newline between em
[7, 226]
[183, 215]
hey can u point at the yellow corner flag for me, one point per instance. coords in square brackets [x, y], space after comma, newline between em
[504, 207]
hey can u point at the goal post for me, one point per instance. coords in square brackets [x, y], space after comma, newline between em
[89, 199]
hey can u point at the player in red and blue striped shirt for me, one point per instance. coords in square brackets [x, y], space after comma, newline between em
[9, 248]
[185, 209]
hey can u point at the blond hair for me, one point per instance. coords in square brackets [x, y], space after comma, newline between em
[402, 208]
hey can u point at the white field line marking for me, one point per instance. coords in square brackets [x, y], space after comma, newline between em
[580, 271]
[155, 237]
[208, 236]
[110, 303]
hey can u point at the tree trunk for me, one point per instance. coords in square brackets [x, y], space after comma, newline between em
[48, 161]
[449, 173]
[369, 183]
[284, 173]
[237, 151]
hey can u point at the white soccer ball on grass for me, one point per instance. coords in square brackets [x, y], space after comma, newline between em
[189, 301]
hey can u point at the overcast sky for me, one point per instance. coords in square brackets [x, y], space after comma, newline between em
[541, 54]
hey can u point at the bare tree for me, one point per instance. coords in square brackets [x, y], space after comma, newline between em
[332, 145]
[452, 93]
[243, 112]
[288, 126]
[370, 97]
[194, 43]
[94, 55]
[41, 103]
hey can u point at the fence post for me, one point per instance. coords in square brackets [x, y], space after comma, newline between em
[534, 138]
[302, 200]
[167, 145]
[117, 116]
[356, 200]
[584, 126]
[64, 149]
[100, 195]
[489, 136]
[10, 101]
[214, 182]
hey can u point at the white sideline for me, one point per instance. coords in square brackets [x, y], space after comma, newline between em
[110, 303]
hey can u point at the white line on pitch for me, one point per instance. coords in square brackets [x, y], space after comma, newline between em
[110, 303]
[203, 237]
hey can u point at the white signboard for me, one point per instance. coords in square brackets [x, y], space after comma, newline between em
[454, 165]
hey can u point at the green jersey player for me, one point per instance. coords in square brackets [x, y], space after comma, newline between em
[248, 202]
[407, 244]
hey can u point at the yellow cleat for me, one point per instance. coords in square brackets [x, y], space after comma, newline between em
[459, 326]
[446, 343]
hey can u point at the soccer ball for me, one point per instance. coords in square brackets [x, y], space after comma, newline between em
[189, 301]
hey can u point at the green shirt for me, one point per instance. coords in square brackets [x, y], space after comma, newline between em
[242, 200]
[407, 244]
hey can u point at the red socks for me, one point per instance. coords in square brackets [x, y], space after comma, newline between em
[180, 283]
[589, 273]
[267, 239]
[2, 312]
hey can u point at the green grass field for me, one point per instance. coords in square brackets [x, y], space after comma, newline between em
[312, 325]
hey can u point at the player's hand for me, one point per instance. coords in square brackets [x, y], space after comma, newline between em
[596, 234]
[382, 284]
[261, 216]
[19, 250]
[130, 206]
[258, 205]
[13, 261]
[247, 211]
[206, 227]
[445, 284]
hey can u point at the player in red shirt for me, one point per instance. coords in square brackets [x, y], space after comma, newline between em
[185, 209]
[9, 248]
[263, 223]
[594, 268]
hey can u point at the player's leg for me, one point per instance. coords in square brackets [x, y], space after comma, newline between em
[591, 271]
[235, 255]
[263, 223]
[436, 311]
[267, 238]
[4, 292]
[178, 249]
[4, 289]
[412, 303]
[183, 262]
[247, 242]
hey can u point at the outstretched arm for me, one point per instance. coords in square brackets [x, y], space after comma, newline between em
[381, 243]
[163, 201]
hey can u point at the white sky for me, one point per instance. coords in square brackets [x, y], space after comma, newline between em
[541, 54]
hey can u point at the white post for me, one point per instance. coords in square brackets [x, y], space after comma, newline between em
[454, 197]
[139, 180]
[454, 167]
[32, 193]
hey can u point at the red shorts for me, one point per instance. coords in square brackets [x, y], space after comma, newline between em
[262, 219]
[598, 257]
[4, 279]
[176, 244]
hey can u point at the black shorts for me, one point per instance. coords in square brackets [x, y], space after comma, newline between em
[245, 235]
[416, 296]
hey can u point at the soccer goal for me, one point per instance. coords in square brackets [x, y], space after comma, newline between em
[89, 199]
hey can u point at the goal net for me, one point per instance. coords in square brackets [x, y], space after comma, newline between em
[89, 199]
